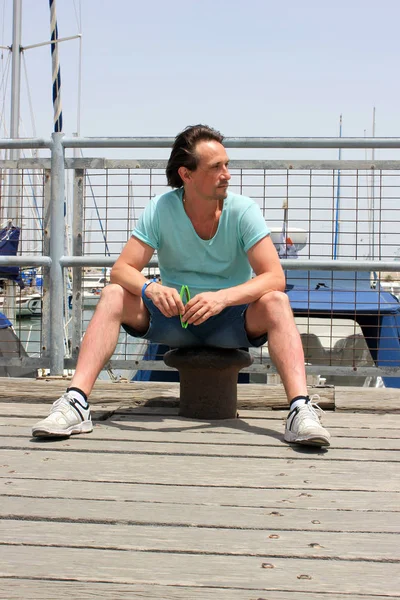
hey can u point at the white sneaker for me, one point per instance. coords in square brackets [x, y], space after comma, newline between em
[303, 426]
[67, 417]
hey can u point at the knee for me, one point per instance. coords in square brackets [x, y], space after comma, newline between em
[112, 296]
[275, 304]
[275, 298]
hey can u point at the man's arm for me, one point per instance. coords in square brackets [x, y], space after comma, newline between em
[264, 261]
[127, 273]
[127, 269]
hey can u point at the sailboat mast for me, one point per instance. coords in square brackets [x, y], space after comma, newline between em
[13, 208]
[16, 72]
[56, 74]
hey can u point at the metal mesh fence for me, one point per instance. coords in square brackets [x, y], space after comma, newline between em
[329, 213]
[22, 195]
[318, 211]
[362, 226]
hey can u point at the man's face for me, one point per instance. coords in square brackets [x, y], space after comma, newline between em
[211, 178]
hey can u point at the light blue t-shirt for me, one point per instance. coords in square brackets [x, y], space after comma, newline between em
[202, 265]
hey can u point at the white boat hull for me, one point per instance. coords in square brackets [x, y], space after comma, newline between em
[26, 306]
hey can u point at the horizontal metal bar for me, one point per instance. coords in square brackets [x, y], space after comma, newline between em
[88, 261]
[235, 142]
[115, 142]
[269, 165]
[25, 143]
[95, 261]
[26, 163]
[340, 265]
[229, 142]
[26, 260]
[316, 165]
[264, 368]
[264, 165]
[287, 264]
[25, 362]
[65, 39]
[263, 142]
[268, 367]
[159, 365]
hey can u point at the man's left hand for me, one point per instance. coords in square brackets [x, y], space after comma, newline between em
[203, 306]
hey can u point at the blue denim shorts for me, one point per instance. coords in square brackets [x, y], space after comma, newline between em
[225, 330]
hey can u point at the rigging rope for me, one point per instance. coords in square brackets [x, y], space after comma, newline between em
[30, 104]
[3, 92]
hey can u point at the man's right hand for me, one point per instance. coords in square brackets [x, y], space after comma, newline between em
[166, 299]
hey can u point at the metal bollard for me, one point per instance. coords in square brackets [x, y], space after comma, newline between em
[208, 380]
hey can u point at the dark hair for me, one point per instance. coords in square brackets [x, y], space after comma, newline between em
[183, 152]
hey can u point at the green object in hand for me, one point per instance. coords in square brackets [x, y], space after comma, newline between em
[185, 297]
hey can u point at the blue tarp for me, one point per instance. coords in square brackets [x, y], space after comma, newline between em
[4, 322]
[338, 302]
[9, 239]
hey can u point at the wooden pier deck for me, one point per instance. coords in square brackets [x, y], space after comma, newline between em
[155, 506]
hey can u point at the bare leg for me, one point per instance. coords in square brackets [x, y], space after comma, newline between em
[272, 313]
[115, 306]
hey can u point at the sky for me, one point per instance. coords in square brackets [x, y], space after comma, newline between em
[247, 68]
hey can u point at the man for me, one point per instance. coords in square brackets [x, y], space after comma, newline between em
[209, 240]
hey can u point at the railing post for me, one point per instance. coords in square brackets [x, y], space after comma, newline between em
[46, 318]
[56, 252]
[77, 250]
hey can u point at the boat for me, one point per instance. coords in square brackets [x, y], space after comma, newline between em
[288, 241]
[391, 283]
[26, 305]
[92, 284]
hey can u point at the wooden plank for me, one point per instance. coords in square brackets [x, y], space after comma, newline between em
[252, 395]
[208, 471]
[373, 419]
[234, 572]
[350, 399]
[230, 542]
[342, 437]
[368, 439]
[390, 422]
[272, 497]
[179, 514]
[49, 589]
[193, 448]
[153, 393]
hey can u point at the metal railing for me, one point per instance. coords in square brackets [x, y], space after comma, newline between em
[104, 187]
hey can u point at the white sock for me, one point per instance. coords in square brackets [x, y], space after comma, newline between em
[78, 396]
[298, 402]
